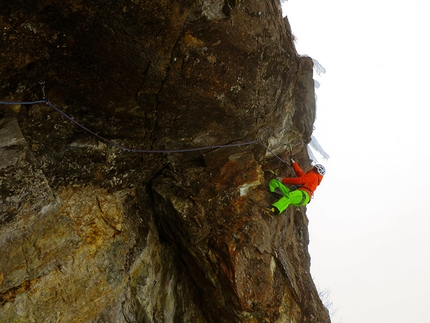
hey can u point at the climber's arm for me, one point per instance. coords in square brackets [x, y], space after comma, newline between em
[297, 169]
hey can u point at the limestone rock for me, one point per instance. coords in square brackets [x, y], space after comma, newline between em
[93, 233]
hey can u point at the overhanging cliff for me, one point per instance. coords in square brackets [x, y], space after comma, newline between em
[93, 233]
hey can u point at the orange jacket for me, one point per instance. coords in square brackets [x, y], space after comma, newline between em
[308, 181]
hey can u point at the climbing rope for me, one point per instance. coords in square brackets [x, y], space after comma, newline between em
[268, 149]
[137, 150]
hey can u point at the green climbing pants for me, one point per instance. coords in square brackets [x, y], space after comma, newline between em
[295, 198]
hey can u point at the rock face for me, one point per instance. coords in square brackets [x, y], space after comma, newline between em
[93, 233]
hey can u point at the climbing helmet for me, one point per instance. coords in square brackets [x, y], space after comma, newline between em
[320, 169]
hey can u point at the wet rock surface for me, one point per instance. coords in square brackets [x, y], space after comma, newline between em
[93, 233]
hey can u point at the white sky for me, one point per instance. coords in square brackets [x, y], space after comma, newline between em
[370, 218]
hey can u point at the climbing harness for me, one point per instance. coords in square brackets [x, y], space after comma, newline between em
[112, 143]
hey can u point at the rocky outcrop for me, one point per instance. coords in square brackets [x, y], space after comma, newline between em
[93, 233]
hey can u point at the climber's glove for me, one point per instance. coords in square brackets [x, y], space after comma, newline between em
[279, 179]
[292, 161]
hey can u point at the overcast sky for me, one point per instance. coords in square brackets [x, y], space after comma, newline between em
[370, 218]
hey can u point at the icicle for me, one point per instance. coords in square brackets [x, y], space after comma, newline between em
[316, 145]
[319, 69]
[311, 155]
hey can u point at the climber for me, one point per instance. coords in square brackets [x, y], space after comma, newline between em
[305, 183]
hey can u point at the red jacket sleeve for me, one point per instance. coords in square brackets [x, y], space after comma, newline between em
[295, 180]
[298, 170]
